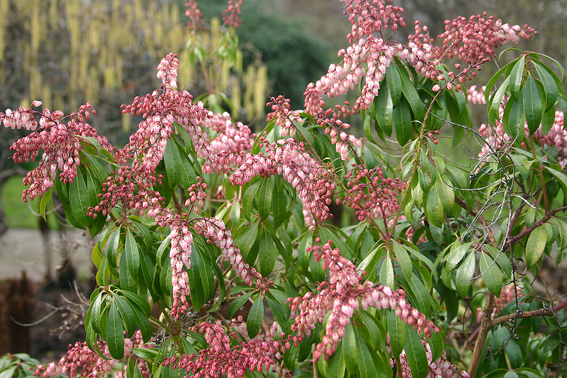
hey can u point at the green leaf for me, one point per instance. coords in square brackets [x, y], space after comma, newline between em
[367, 126]
[446, 195]
[516, 77]
[394, 83]
[403, 259]
[365, 364]
[279, 206]
[79, 200]
[255, 318]
[387, 272]
[434, 206]
[415, 353]
[349, 349]
[513, 119]
[465, 274]
[491, 274]
[238, 303]
[267, 255]
[495, 101]
[144, 324]
[547, 121]
[533, 106]
[493, 80]
[132, 254]
[402, 122]
[412, 97]
[455, 256]
[549, 86]
[45, 199]
[560, 177]
[115, 334]
[126, 313]
[173, 163]
[397, 331]
[127, 278]
[246, 240]
[201, 279]
[384, 108]
[536, 245]
[265, 198]
[280, 315]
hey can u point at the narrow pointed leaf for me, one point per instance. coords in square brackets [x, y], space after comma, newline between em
[402, 122]
[516, 77]
[115, 334]
[384, 110]
[415, 353]
[255, 317]
[464, 275]
[491, 274]
[533, 106]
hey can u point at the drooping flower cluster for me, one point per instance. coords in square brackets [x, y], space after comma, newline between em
[475, 40]
[284, 116]
[440, 368]
[180, 254]
[60, 143]
[80, 361]
[194, 14]
[231, 15]
[288, 158]
[372, 195]
[220, 358]
[343, 294]
[216, 232]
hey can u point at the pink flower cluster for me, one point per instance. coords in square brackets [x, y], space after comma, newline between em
[180, 254]
[475, 40]
[80, 361]
[231, 15]
[372, 195]
[216, 232]
[60, 143]
[288, 158]
[283, 115]
[220, 358]
[343, 294]
[194, 15]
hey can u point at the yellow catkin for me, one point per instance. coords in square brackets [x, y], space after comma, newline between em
[84, 58]
[58, 102]
[4, 7]
[248, 103]
[53, 15]
[35, 30]
[126, 122]
[109, 78]
[235, 96]
[260, 86]
[238, 64]
[46, 96]
[93, 86]
[224, 76]
[119, 75]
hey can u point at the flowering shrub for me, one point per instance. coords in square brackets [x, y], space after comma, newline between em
[226, 232]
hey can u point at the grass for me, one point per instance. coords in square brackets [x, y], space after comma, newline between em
[19, 213]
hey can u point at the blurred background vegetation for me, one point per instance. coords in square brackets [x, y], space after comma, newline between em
[68, 52]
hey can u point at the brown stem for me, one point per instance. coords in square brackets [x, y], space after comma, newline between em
[543, 220]
[529, 314]
[485, 325]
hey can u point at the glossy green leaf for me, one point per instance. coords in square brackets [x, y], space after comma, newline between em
[536, 245]
[434, 206]
[79, 200]
[126, 314]
[127, 278]
[394, 84]
[496, 100]
[255, 318]
[403, 259]
[173, 163]
[267, 254]
[132, 254]
[201, 279]
[491, 274]
[516, 76]
[402, 122]
[279, 206]
[280, 315]
[454, 257]
[350, 352]
[493, 80]
[547, 121]
[246, 240]
[387, 272]
[265, 198]
[465, 273]
[514, 119]
[115, 334]
[384, 110]
[365, 363]
[549, 85]
[45, 199]
[397, 330]
[238, 303]
[415, 354]
[533, 106]
[412, 97]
